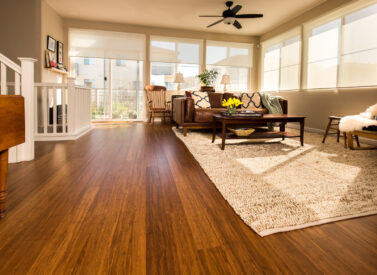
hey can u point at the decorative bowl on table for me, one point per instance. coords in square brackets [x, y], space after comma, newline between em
[242, 132]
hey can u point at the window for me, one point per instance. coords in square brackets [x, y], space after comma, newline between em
[281, 64]
[89, 61]
[323, 55]
[359, 57]
[120, 63]
[343, 52]
[174, 55]
[234, 59]
[116, 71]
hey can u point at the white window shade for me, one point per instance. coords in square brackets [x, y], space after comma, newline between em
[229, 54]
[176, 50]
[106, 44]
[359, 57]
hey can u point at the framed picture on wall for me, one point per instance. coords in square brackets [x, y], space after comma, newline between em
[60, 52]
[51, 44]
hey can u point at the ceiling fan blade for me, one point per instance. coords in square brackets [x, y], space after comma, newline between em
[210, 16]
[237, 24]
[217, 22]
[248, 15]
[236, 8]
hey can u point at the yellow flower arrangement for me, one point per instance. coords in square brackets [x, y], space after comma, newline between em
[232, 103]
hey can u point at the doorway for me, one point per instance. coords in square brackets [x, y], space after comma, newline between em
[117, 86]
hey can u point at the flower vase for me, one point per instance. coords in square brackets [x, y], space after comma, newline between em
[231, 110]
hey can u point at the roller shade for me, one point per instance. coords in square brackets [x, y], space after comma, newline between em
[176, 50]
[106, 44]
[229, 54]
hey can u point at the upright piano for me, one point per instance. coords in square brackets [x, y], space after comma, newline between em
[12, 133]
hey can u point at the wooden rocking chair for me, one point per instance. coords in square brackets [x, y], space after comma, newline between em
[156, 102]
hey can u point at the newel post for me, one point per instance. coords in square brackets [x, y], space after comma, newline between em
[71, 116]
[25, 151]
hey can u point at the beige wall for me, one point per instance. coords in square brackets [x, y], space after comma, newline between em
[51, 24]
[148, 31]
[20, 30]
[317, 105]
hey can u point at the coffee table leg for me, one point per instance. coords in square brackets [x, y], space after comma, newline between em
[302, 126]
[223, 135]
[282, 129]
[213, 132]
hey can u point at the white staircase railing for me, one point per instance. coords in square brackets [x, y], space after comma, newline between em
[23, 85]
[62, 111]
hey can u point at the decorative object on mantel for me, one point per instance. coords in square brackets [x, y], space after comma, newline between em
[51, 44]
[208, 78]
[60, 53]
[179, 79]
[225, 80]
[231, 104]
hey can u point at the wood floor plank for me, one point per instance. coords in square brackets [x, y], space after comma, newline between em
[131, 199]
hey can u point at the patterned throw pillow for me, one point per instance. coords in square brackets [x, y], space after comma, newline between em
[200, 99]
[251, 101]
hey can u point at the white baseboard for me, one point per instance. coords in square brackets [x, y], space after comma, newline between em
[60, 137]
[368, 141]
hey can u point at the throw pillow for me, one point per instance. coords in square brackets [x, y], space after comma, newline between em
[200, 99]
[215, 99]
[251, 101]
[188, 94]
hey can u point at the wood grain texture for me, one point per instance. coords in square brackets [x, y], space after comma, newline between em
[131, 199]
[12, 121]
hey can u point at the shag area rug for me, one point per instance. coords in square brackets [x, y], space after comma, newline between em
[277, 186]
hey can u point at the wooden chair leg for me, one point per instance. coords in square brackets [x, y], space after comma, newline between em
[350, 140]
[345, 139]
[184, 131]
[150, 117]
[327, 130]
[357, 141]
[153, 115]
[337, 135]
[164, 115]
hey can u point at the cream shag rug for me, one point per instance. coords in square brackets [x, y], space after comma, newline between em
[279, 186]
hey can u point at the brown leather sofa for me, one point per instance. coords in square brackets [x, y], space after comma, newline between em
[189, 117]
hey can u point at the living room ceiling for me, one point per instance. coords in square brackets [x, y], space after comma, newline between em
[184, 14]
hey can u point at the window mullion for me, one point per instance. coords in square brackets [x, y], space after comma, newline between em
[340, 51]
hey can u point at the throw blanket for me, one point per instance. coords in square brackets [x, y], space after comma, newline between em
[358, 122]
[272, 104]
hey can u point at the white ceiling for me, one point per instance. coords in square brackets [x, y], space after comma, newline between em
[183, 14]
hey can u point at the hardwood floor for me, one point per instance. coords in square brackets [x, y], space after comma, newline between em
[131, 199]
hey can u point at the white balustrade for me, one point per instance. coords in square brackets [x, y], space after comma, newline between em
[62, 111]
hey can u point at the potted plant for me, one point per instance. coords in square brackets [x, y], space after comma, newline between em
[208, 78]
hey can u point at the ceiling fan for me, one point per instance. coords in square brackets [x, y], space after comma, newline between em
[230, 15]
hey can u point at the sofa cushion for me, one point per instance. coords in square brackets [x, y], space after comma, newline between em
[251, 101]
[205, 115]
[215, 99]
[200, 99]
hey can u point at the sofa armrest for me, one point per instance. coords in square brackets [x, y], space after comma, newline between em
[179, 110]
[284, 105]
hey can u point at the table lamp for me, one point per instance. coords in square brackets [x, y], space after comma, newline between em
[225, 80]
[178, 79]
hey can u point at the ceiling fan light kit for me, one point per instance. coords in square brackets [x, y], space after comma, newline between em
[229, 16]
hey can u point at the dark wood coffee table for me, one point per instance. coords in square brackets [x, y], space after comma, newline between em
[224, 122]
